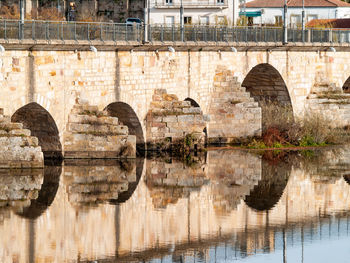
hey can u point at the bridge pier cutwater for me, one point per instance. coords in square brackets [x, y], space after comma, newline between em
[219, 92]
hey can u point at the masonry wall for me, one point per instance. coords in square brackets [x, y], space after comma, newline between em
[53, 79]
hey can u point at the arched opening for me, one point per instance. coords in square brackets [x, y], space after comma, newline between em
[267, 87]
[193, 102]
[346, 86]
[347, 178]
[127, 116]
[42, 125]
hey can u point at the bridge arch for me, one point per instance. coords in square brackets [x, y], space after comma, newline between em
[42, 125]
[193, 102]
[127, 116]
[346, 86]
[266, 86]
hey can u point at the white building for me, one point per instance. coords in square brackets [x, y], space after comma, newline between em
[271, 12]
[204, 12]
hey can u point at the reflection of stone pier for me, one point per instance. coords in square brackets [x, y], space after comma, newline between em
[98, 181]
[19, 187]
[173, 180]
[233, 174]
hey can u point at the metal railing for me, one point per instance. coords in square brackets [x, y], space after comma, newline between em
[56, 30]
[78, 31]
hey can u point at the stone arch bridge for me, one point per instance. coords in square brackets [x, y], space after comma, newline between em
[160, 94]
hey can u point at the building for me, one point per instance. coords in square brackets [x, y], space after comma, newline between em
[262, 12]
[204, 12]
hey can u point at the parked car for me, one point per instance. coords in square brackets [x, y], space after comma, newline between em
[133, 21]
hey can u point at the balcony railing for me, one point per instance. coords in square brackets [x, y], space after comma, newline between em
[84, 31]
[191, 3]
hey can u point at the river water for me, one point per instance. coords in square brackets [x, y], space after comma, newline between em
[222, 206]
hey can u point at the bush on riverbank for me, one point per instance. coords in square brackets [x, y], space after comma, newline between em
[280, 129]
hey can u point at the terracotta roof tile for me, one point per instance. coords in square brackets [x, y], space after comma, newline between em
[297, 3]
[334, 23]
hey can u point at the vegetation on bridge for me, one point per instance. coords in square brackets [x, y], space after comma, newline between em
[282, 130]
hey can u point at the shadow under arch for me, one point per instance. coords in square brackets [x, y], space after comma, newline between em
[127, 116]
[347, 178]
[47, 193]
[346, 86]
[41, 124]
[274, 178]
[193, 102]
[266, 86]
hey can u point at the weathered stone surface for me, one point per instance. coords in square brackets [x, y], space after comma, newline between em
[232, 110]
[329, 101]
[92, 134]
[173, 124]
[18, 149]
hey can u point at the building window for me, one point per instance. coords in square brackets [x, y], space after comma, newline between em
[221, 20]
[187, 20]
[295, 20]
[278, 21]
[169, 2]
[169, 20]
[311, 17]
[204, 20]
[220, 2]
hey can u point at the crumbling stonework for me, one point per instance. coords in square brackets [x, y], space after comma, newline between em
[174, 125]
[233, 112]
[18, 149]
[92, 133]
[328, 100]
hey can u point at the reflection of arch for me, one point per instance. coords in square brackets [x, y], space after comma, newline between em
[125, 196]
[52, 173]
[269, 190]
[128, 117]
[267, 86]
[42, 125]
[193, 102]
[346, 86]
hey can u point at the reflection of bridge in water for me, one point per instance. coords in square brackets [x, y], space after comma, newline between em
[232, 205]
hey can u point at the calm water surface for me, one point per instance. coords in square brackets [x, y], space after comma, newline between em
[226, 206]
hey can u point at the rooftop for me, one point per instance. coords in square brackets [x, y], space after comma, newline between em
[297, 3]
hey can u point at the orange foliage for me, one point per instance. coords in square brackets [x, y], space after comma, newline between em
[9, 12]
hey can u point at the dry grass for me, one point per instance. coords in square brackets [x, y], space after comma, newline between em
[312, 130]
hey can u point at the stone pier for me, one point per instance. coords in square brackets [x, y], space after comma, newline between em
[18, 149]
[93, 134]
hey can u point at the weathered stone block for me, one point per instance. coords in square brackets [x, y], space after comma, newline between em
[172, 118]
[20, 132]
